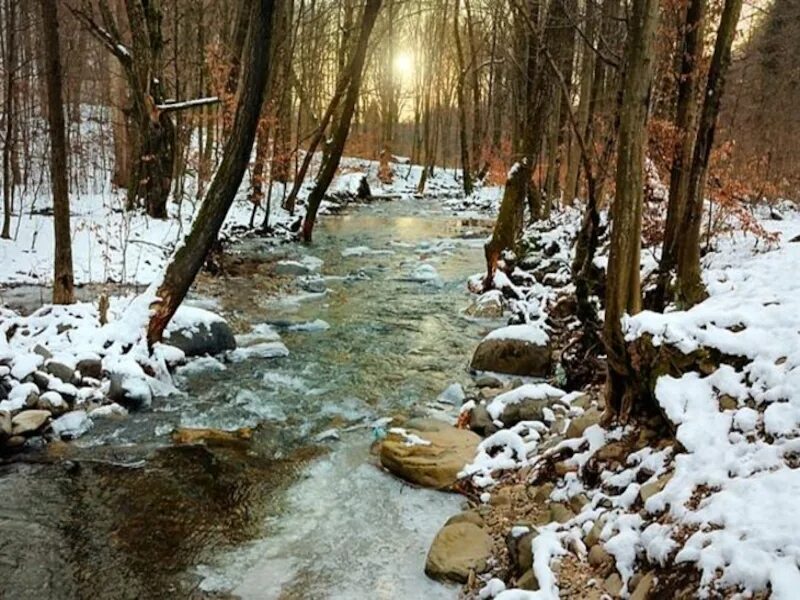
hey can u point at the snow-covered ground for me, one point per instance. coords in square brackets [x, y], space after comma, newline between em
[723, 497]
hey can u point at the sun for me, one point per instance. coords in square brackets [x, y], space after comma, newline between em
[404, 64]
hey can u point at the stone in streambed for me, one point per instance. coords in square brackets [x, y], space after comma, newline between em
[487, 306]
[457, 550]
[211, 437]
[514, 350]
[5, 424]
[428, 452]
[197, 332]
[29, 421]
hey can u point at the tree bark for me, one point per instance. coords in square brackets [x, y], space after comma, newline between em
[691, 53]
[623, 286]
[189, 257]
[689, 281]
[63, 288]
[462, 108]
[510, 219]
[343, 126]
[10, 116]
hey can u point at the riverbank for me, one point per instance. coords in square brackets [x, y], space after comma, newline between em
[672, 506]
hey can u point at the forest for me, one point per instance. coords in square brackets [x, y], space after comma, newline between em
[399, 299]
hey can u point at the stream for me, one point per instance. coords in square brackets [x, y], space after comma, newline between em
[300, 510]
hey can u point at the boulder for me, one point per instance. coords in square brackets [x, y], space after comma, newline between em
[528, 581]
[644, 586]
[129, 390]
[579, 424]
[515, 350]
[52, 402]
[428, 452]
[204, 337]
[487, 306]
[480, 422]
[72, 425]
[60, 370]
[29, 422]
[520, 552]
[468, 516]
[457, 550]
[524, 403]
[5, 424]
[91, 367]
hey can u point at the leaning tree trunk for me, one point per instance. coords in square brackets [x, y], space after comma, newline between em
[690, 284]
[343, 126]
[623, 287]
[63, 289]
[189, 257]
[691, 53]
[510, 219]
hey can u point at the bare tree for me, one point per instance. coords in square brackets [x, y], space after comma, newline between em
[189, 257]
[63, 288]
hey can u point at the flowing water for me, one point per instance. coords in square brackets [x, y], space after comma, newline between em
[293, 513]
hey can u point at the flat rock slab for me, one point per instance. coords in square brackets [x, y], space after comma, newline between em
[428, 452]
[457, 549]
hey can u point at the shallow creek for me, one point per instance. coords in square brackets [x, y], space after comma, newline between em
[123, 513]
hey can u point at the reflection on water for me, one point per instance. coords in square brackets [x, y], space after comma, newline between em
[240, 517]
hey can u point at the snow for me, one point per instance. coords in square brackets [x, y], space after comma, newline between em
[261, 350]
[531, 333]
[529, 391]
[72, 424]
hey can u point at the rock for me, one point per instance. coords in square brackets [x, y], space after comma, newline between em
[576, 503]
[458, 550]
[212, 437]
[52, 402]
[292, 268]
[486, 306]
[520, 552]
[598, 556]
[314, 285]
[72, 425]
[91, 367]
[5, 424]
[613, 452]
[560, 513]
[453, 394]
[130, 391]
[204, 337]
[488, 381]
[29, 421]
[593, 537]
[41, 379]
[727, 402]
[42, 351]
[580, 424]
[531, 402]
[541, 494]
[60, 370]
[613, 584]
[654, 487]
[435, 464]
[512, 356]
[468, 516]
[112, 411]
[480, 422]
[15, 441]
[643, 588]
[528, 581]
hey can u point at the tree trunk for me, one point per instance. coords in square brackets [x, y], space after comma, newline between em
[63, 289]
[584, 102]
[462, 109]
[510, 219]
[10, 116]
[623, 287]
[343, 126]
[690, 284]
[691, 53]
[189, 257]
